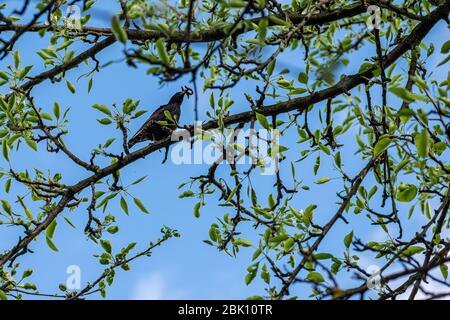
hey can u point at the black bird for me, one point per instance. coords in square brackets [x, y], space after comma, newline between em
[153, 129]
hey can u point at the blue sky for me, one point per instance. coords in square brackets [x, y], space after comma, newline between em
[183, 267]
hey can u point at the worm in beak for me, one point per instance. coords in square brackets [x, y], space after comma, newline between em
[187, 91]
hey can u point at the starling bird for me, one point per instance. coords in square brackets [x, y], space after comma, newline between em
[154, 129]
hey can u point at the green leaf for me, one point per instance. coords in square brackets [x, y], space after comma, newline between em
[4, 76]
[265, 275]
[296, 213]
[249, 277]
[106, 245]
[16, 59]
[69, 223]
[12, 102]
[138, 180]
[403, 94]
[50, 244]
[56, 110]
[315, 277]
[262, 121]
[297, 91]
[91, 82]
[243, 242]
[381, 146]
[186, 194]
[406, 192]
[30, 286]
[401, 165]
[322, 180]
[46, 116]
[308, 214]
[109, 142]
[421, 139]
[168, 115]
[323, 256]
[337, 159]
[27, 273]
[124, 205]
[64, 45]
[444, 270]
[113, 229]
[25, 208]
[24, 72]
[278, 21]
[303, 78]
[262, 30]
[271, 67]
[139, 204]
[32, 144]
[412, 250]
[237, 4]
[447, 59]
[162, 52]
[3, 295]
[407, 95]
[197, 209]
[280, 238]
[102, 108]
[50, 231]
[213, 233]
[405, 114]
[70, 86]
[7, 207]
[5, 150]
[7, 185]
[289, 244]
[445, 47]
[118, 31]
[348, 239]
[104, 121]
[231, 195]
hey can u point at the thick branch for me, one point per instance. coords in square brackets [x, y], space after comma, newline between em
[209, 35]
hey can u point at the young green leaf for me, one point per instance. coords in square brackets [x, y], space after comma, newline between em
[124, 205]
[3, 295]
[5, 150]
[139, 204]
[315, 277]
[197, 209]
[348, 239]
[56, 110]
[422, 143]
[106, 245]
[242, 242]
[381, 146]
[162, 52]
[70, 86]
[406, 192]
[118, 31]
[50, 231]
[50, 244]
[102, 108]
[322, 180]
[262, 121]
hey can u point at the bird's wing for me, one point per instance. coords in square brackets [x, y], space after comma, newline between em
[157, 115]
